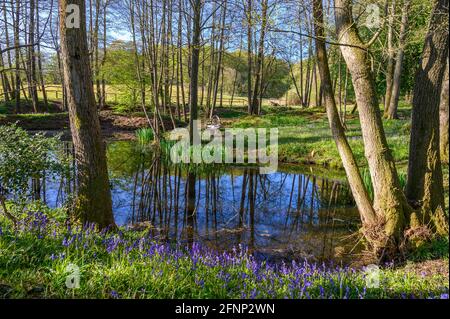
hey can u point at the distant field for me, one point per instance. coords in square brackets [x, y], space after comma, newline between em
[114, 94]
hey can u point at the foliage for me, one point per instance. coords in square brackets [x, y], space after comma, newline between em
[438, 247]
[24, 156]
[120, 73]
[144, 136]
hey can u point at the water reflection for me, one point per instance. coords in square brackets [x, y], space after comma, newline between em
[286, 214]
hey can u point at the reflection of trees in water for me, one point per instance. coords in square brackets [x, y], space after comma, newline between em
[60, 188]
[241, 206]
[237, 205]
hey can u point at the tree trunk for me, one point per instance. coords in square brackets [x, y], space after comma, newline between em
[425, 182]
[32, 82]
[444, 118]
[249, 55]
[193, 91]
[93, 203]
[260, 59]
[16, 24]
[392, 109]
[390, 62]
[348, 160]
[39, 60]
[389, 200]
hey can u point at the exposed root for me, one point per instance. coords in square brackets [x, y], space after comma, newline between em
[415, 236]
[382, 248]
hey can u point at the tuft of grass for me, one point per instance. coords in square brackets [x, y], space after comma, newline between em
[144, 136]
[437, 248]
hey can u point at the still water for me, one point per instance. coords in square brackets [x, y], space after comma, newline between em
[292, 213]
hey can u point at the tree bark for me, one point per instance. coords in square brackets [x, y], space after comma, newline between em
[259, 60]
[193, 90]
[249, 55]
[444, 118]
[390, 62]
[17, 81]
[93, 202]
[425, 182]
[389, 200]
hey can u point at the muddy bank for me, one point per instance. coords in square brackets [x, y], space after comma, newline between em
[112, 125]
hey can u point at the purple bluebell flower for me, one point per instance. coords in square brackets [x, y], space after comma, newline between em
[114, 294]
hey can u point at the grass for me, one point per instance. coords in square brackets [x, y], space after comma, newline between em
[37, 259]
[305, 137]
[144, 136]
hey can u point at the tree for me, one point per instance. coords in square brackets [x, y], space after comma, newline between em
[391, 54]
[443, 119]
[93, 202]
[425, 182]
[259, 61]
[390, 203]
[391, 111]
[348, 160]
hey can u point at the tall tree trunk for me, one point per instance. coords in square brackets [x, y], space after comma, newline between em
[39, 60]
[259, 59]
[425, 181]
[32, 81]
[444, 118]
[249, 54]
[93, 203]
[17, 81]
[348, 160]
[390, 62]
[7, 42]
[389, 200]
[193, 91]
[220, 58]
[392, 109]
[180, 60]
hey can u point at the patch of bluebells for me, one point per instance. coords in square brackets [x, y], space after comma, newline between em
[234, 272]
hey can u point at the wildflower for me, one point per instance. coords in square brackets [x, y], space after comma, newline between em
[200, 282]
[114, 294]
[322, 292]
[347, 292]
[444, 296]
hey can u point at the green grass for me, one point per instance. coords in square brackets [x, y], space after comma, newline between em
[35, 262]
[305, 137]
[144, 136]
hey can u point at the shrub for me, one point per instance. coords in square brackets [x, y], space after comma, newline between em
[24, 157]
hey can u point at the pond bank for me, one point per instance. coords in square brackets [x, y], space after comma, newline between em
[113, 125]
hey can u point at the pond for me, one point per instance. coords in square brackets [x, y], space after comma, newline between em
[292, 213]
